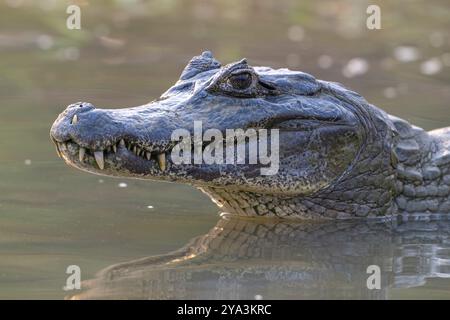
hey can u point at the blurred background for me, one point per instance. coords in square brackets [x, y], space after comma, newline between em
[127, 53]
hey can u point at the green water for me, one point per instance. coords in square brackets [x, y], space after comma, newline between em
[127, 53]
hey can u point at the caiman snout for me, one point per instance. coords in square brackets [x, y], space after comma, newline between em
[84, 124]
[95, 139]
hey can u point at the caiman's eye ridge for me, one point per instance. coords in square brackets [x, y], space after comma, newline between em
[241, 81]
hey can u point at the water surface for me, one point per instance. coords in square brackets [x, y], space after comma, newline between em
[260, 258]
[127, 53]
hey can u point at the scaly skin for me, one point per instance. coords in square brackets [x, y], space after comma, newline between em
[239, 258]
[340, 157]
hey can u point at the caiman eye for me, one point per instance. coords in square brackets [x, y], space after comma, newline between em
[241, 81]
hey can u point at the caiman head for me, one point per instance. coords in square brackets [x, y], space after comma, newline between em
[330, 140]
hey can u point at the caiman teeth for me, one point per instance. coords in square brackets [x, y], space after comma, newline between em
[100, 160]
[162, 161]
[81, 154]
[74, 119]
[99, 156]
[57, 150]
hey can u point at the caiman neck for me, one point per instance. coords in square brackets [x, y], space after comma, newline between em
[423, 169]
[409, 174]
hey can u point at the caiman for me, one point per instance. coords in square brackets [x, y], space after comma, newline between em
[339, 156]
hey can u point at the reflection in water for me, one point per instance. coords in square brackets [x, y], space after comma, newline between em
[240, 258]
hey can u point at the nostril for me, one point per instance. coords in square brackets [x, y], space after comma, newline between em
[84, 105]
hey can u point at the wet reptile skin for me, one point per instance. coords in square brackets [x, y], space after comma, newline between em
[412, 177]
[340, 157]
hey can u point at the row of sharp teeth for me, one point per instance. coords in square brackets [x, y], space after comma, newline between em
[160, 157]
[100, 159]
